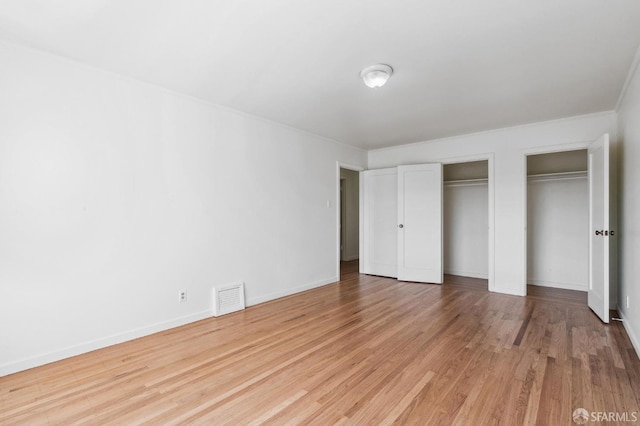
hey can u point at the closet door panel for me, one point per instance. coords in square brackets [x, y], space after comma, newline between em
[601, 239]
[420, 223]
[379, 218]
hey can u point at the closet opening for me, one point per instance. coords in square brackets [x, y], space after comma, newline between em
[558, 223]
[466, 223]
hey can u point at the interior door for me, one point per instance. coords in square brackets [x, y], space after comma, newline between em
[598, 298]
[420, 223]
[379, 221]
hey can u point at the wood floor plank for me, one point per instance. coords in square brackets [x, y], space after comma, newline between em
[364, 350]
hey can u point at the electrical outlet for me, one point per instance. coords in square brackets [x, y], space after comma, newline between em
[182, 296]
[628, 304]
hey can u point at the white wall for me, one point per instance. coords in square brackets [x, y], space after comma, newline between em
[508, 147]
[351, 241]
[629, 207]
[558, 231]
[465, 210]
[116, 194]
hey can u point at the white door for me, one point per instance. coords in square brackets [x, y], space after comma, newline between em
[598, 298]
[379, 222]
[420, 223]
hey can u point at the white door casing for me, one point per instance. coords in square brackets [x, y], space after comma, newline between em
[600, 233]
[420, 223]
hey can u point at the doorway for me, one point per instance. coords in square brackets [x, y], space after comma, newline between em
[558, 220]
[465, 220]
[600, 212]
[349, 218]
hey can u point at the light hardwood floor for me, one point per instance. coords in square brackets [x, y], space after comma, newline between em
[365, 350]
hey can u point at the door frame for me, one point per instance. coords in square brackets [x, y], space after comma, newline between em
[550, 149]
[341, 165]
[341, 224]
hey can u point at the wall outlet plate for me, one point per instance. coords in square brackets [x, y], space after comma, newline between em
[182, 296]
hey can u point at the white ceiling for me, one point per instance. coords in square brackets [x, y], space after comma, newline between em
[460, 66]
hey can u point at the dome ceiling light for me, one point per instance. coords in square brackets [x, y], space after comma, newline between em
[376, 75]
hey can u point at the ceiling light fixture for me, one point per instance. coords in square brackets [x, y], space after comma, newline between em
[376, 75]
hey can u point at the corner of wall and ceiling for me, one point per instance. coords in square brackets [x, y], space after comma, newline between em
[634, 65]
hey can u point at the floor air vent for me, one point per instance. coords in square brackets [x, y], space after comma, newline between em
[228, 298]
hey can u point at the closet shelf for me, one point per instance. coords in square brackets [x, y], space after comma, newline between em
[558, 176]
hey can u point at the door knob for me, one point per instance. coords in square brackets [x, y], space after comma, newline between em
[401, 226]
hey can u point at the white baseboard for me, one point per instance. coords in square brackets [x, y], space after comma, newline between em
[566, 286]
[469, 274]
[103, 342]
[635, 338]
[288, 292]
